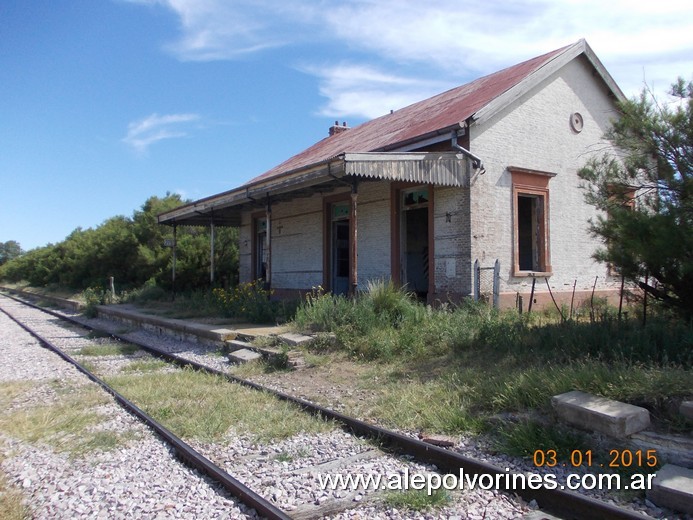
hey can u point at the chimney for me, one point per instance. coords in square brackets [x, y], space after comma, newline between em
[336, 129]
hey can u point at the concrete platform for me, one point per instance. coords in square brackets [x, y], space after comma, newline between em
[673, 488]
[597, 413]
[181, 329]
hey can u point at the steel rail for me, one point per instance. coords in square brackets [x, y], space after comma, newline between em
[561, 502]
[183, 450]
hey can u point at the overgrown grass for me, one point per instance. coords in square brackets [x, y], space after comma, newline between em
[385, 322]
[525, 437]
[417, 500]
[145, 365]
[205, 407]
[11, 500]
[452, 368]
[109, 349]
[69, 426]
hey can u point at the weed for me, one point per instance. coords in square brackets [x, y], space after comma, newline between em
[284, 457]
[417, 500]
[250, 301]
[93, 297]
[524, 438]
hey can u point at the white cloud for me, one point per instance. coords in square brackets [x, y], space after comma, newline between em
[453, 42]
[222, 29]
[367, 92]
[153, 128]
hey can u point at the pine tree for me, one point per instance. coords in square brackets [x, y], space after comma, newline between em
[644, 194]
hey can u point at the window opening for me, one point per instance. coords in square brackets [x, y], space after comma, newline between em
[530, 210]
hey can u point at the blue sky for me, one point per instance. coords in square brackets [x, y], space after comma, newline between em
[104, 103]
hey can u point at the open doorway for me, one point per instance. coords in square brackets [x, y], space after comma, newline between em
[339, 258]
[414, 241]
[260, 249]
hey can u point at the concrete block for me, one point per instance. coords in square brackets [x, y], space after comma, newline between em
[295, 340]
[673, 488]
[686, 410]
[597, 413]
[671, 449]
[244, 356]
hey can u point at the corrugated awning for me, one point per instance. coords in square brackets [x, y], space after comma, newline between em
[437, 168]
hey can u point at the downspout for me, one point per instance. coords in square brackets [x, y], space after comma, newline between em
[476, 161]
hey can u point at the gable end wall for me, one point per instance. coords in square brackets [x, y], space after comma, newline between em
[535, 133]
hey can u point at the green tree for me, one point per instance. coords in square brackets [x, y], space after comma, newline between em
[132, 251]
[9, 250]
[645, 195]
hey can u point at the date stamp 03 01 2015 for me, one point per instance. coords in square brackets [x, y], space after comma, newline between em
[618, 459]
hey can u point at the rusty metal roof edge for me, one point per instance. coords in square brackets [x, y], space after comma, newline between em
[241, 194]
[238, 195]
[397, 156]
[551, 66]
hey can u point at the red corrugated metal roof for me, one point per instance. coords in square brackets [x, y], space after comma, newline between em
[420, 119]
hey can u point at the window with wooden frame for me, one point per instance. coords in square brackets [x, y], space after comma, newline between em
[531, 247]
[623, 196]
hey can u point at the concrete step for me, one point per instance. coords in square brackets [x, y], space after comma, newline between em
[245, 336]
[597, 413]
[295, 340]
[244, 355]
[673, 488]
[671, 449]
[234, 345]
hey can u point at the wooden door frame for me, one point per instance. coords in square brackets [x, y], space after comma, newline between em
[396, 189]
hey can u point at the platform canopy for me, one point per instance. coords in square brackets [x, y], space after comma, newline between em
[224, 209]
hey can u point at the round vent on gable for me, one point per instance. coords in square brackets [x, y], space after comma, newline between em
[576, 122]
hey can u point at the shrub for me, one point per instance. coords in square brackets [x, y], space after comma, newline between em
[249, 300]
[390, 303]
[93, 297]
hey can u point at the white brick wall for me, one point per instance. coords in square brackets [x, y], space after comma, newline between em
[297, 239]
[374, 248]
[451, 228]
[534, 133]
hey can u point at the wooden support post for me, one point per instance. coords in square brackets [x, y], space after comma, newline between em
[211, 251]
[173, 267]
[353, 228]
[268, 262]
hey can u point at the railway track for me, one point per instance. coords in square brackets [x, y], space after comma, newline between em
[556, 501]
